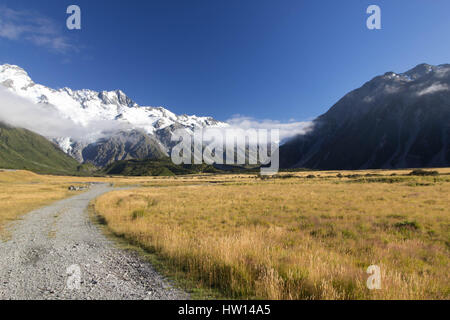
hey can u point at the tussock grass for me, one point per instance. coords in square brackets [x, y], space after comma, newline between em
[24, 191]
[287, 237]
[305, 238]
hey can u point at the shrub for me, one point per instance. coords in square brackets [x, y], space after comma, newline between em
[138, 214]
[421, 172]
[353, 176]
[407, 225]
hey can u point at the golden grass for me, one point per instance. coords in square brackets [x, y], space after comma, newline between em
[24, 191]
[294, 238]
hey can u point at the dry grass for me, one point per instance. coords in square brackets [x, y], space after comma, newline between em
[291, 238]
[24, 191]
[294, 238]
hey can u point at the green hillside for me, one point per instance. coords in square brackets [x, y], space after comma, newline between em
[23, 149]
[165, 167]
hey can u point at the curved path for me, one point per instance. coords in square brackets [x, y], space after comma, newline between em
[57, 253]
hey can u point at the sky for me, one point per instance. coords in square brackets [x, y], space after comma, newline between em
[285, 61]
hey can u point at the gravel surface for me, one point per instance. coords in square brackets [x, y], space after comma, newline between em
[57, 253]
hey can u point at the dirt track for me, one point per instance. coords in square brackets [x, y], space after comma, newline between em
[57, 253]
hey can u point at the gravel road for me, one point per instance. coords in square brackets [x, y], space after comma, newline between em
[57, 253]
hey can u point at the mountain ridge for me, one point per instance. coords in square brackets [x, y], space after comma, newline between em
[392, 121]
[113, 110]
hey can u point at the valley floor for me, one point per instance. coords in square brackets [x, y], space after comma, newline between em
[303, 235]
[306, 235]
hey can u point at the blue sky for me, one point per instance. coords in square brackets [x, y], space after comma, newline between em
[279, 60]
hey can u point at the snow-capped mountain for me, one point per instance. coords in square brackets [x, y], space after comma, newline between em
[396, 120]
[103, 112]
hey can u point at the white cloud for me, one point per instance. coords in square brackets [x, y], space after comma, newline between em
[47, 121]
[442, 71]
[368, 99]
[391, 89]
[34, 28]
[435, 87]
[287, 129]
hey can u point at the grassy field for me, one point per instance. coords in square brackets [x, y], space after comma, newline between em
[309, 235]
[24, 191]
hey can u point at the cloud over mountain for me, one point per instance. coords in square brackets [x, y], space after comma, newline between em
[395, 120]
[287, 129]
[47, 121]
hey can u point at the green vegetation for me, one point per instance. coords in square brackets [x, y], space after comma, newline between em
[23, 149]
[421, 172]
[86, 169]
[165, 167]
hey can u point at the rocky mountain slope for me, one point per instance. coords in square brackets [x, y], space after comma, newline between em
[393, 121]
[123, 145]
[120, 129]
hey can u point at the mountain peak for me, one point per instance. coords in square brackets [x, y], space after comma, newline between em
[117, 97]
[11, 66]
[419, 71]
[99, 113]
[392, 121]
[14, 76]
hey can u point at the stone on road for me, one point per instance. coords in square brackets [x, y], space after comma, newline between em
[57, 253]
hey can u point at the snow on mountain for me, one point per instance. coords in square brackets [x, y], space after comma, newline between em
[87, 108]
[84, 106]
